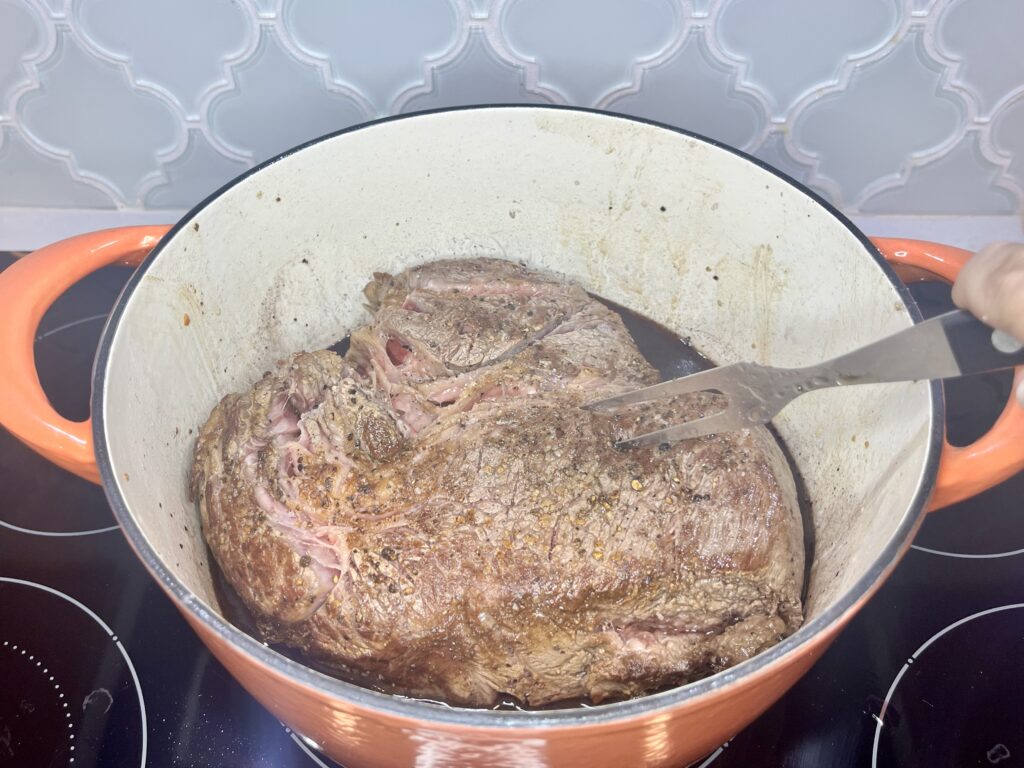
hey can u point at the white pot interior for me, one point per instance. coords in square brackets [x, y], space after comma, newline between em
[639, 214]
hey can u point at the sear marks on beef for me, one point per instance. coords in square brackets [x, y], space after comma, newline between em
[435, 515]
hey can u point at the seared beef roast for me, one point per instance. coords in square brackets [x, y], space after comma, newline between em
[433, 514]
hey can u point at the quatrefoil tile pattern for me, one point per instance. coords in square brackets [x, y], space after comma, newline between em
[166, 47]
[583, 49]
[883, 106]
[787, 48]
[23, 37]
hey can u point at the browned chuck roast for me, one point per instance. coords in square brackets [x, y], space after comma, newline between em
[433, 514]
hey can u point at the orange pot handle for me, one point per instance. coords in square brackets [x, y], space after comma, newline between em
[27, 289]
[999, 454]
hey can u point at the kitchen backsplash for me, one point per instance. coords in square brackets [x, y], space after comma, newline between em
[884, 106]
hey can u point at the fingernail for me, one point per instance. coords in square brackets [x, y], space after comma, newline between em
[1020, 393]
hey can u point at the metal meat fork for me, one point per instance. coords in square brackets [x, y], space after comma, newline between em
[947, 346]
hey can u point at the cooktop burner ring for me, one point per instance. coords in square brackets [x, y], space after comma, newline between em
[713, 756]
[89, 326]
[56, 534]
[300, 741]
[880, 718]
[968, 556]
[20, 650]
[50, 682]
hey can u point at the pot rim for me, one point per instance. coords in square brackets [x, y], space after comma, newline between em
[802, 640]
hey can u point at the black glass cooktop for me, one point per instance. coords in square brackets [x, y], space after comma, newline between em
[97, 668]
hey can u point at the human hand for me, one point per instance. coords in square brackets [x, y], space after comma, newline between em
[991, 287]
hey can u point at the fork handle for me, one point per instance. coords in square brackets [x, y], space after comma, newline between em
[944, 347]
[964, 471]
[976, 347]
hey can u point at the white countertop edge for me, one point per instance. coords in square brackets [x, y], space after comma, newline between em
[23, 229]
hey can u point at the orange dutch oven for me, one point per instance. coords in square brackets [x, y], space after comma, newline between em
[636, 212]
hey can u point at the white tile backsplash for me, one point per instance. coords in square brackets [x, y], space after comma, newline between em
[885, 106]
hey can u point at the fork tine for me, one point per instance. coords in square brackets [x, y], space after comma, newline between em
[724, 421]
[694, 382]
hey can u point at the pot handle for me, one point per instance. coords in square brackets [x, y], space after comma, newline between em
[997, 455]
[27, 290]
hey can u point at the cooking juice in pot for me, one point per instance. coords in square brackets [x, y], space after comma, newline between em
[672, 356]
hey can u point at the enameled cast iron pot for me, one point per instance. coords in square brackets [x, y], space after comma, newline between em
[639, 213]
